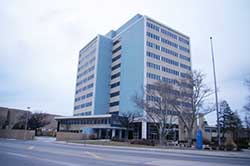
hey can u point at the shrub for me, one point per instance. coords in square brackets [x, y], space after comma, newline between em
[143, 142]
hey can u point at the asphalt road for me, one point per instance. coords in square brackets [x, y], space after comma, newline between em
[45, 151]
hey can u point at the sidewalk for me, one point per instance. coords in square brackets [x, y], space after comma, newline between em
[245, 154]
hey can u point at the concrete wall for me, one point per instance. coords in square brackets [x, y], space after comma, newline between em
[17, 134]
[63, 136]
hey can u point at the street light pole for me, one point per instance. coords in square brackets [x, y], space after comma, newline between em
[216, 95]
[26, 123]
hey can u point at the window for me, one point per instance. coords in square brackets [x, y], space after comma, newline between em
[185, 75]
[153, 98]
[184, 49]
[170, 61]
[154, 66]
[184, 57]
[116, 58]
[88, 104]
[168, 33]
[84, 88]
[153, 45]
[171, 71]
[116, 42]
[169, 43]
[169, 80]
[116, 66]
[89, 95]
[185, 67]
[153, 36]
[115, 94]
[183, 40]
[85, 80]
[114, 103]
[117, 49]
[115, 76]
[154, 76]
[115, 84]
[153, 55]
[152, 26]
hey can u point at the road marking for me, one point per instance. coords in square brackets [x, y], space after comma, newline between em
[18, 155]
[93, 155]
[31, 147]
[43, 159]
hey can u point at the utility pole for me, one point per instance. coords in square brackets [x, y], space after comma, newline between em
[216, 95]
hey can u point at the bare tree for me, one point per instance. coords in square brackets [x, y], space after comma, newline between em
[190, 101]
[128, 120]
[155, 101]
[247, 106]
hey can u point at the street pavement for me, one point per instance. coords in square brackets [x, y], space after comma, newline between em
[46, 151]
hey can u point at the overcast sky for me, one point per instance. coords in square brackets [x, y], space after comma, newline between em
[40, 41]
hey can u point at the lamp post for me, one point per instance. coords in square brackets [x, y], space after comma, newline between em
[26, 123]
[216, 95]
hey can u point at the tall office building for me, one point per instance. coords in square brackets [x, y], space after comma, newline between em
[113, 67]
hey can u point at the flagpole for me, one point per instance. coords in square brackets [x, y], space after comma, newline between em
[216, 95]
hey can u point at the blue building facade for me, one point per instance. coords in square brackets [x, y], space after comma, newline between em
[112, 68]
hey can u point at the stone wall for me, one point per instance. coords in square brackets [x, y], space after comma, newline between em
[63, 136]
[17, 134]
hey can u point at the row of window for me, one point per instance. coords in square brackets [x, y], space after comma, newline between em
[87, 56]
[183, 57]
[114, 94]
[154, 66]
[115, 84]
[153, 55]
[157, 88]
[169, 61]
[171, 71]
[168, 33]
[152, 26]
[153, 36]
[114, 104]
[164, 31]
[85, 121]
[115, 76]
[84, 97]
[163, 40]
[171, 52]
[156, 76]
[89, 47]
[185, 75]
[153, 76]
[153, 98]
[92, 60]
[153, 45]
[183, 40]
[169, 43]
[83, 113]
[116, 66]
[116, 58]
[86, 72]
[116, 42]
[185, 67]
[157, 99]
[85, 80]
[117, 49]
[85, 88]
[84, 105]
[169, 80]
[184, 49]
[164, 59]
